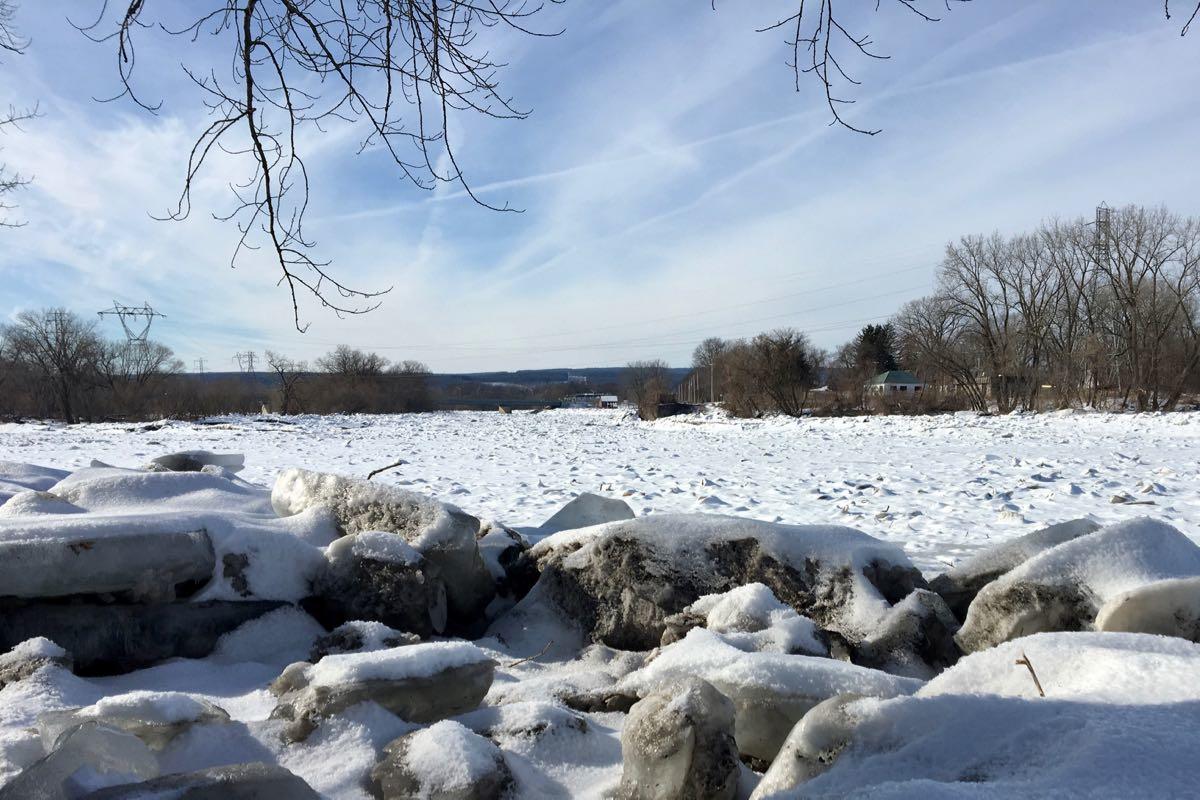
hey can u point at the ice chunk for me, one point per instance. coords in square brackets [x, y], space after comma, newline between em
[621, 580]
[445, 761]
[771, 691]
[108, 638]
[959, 584]
[196, 460]
[17, 477]
[43, 560]
[417, 661]
[1118, 720]
[30, 656]
[29, 503]
[154, 717]
[86, 757]
[677, 744]
[1064, 587]
[441, 533]
[358, 636]
[419, 683]
[254, 781]
[1170, 608]
[915, 638]
[586, 510]
[380, 578]
[811, 748]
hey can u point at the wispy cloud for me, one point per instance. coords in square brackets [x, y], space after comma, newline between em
[672, 186]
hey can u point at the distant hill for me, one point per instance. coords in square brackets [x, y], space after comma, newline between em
[585, 377]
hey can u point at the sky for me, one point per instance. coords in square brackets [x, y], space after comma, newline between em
[672, 183]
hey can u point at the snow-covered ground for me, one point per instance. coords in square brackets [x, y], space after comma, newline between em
[1119, 715]
[941, 486]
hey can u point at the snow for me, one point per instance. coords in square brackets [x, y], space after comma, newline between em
[703, 654]
[395, 664]
[284, 554]
[1003, 557]
[280, 637]
[942, 487]
[1119, 718]
[37, 647]
[449, 756]
[751, 618]
[1118, 668]
[16, 476]
[418, 519]
[160, 707]
[1112, 560]
[375, 545]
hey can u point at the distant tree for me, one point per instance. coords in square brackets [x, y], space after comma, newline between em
[409, 386]
[647, 384]
[290, 375]
[136, 363]
[132, 374]
[875, 349]
[708, 352]
[788, 367]
[59, 347]
[351, 362]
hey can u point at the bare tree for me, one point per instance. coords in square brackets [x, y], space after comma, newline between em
[787, 365]
[350, 362]
[708, 352]
[821, 43]
[938, 344]
[59, 347]
[647, 384]
[400, 71]
[290, 375]
[10, 181]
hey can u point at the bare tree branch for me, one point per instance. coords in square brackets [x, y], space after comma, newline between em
[10, 181]
[399, 70]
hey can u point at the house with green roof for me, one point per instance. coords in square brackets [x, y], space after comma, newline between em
[895, 383]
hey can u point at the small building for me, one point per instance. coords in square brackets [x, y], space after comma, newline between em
[590, 400]
[895, 383]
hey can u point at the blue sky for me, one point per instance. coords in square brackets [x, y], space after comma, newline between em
[673, 184]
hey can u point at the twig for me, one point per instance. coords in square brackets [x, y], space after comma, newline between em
[539, 654]
[375, 472]
[1024, 660]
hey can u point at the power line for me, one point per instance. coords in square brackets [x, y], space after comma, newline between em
[199, 365]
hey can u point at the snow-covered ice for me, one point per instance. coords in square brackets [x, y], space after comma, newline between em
[941, 486]
[1119, 713]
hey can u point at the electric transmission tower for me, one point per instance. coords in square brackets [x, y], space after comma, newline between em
[135, 320]
[199, 365]
[245, 361]
[1103, 233]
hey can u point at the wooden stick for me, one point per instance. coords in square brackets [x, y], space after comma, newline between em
[375, 472]
[539, 654]
[1024, 660]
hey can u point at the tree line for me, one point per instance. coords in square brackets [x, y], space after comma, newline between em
[55, 364]
[1101, 313]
